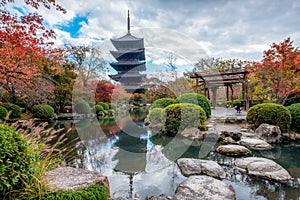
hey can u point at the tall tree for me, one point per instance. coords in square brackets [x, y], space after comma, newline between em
[89, 62]
[278, 72]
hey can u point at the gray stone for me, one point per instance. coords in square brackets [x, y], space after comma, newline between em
[269, 133]
[190, 166]
[263, 167]
[233, 150]
[192, 133]
[69, 178]
[160, 197]
[204, 187]
[255, 144]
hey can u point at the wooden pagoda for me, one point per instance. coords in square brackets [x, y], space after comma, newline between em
[130, 56]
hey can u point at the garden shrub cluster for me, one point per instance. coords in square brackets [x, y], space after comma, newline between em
[104, 105]
[162, 103]
[295, 114]
[183, 115]
[197, 99]
[269, 113]
[98, 108]
[43, 111]
[17, 160]
[157, 116]
[82, 108]
[93, 193]
[3, 112]
[15, 110]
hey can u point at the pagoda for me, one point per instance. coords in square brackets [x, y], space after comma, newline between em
[130, 56]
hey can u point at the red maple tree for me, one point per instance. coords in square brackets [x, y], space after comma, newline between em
[279, 71]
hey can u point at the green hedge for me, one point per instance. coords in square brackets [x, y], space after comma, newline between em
[162, 103]
[98, 108]
[269, 113]
[3, 112]
[104, 105]
[43, 111]
[15, 110]
[183, 115]
[82, 108]
[17, 160]
[156, 116]
[197, 99]
[295, 114]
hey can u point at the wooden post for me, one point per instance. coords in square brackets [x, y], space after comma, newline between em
[197, 85]
[247, 94]
[214, 97]
[231, 92]
[227, 93]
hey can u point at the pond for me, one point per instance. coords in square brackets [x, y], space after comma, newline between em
[139, 163]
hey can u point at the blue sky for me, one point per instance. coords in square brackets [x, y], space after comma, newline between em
[192, 29]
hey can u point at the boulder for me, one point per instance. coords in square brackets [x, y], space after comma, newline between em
[192, 133]
[233, 150]
[190, 166]
[160, 197]
[234, 135]
[269, 133]
[255, 144]
[69, 178]
[204, 187]
[263, 167]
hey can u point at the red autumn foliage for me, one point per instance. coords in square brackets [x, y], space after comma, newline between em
[279, 71]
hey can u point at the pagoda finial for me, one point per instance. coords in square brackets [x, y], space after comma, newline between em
[128, 23]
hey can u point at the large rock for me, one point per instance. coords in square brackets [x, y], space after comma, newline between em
[204, 187]
[263, 167]
[190, 166]
[192, 133]
[255, 144]
[160, 197]
[269, 133]
[69, 178]
[233, 150]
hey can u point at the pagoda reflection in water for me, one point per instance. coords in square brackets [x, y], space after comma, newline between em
[130, 56]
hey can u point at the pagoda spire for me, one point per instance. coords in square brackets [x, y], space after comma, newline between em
[128, 23]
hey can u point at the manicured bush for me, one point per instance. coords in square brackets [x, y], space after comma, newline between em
[43, 111]
[162, 103]
[17, 160]
[269, 113]
[3, 112]
[237, 103]
[197, 99]
[156, 116]
[92, 192]
[295, 114]
[98, 108]
[15, 110]
[183, 115]
[104, 105]
[82, 108]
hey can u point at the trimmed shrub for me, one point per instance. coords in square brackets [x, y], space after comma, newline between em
[43, 111]
[295, 114]
[82, 108]
[15, 110]
[237, 103]
[92, 192]
[197, 99]
[183, 115]
[269, 113]
[17, 160]
[3, 112]
[104, 105]
[98, 108]
[156, 116]
[162, 103]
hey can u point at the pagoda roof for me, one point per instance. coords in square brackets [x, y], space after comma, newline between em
[137, 53]
[127, 37]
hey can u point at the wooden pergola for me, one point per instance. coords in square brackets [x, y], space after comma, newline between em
[211, 81]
